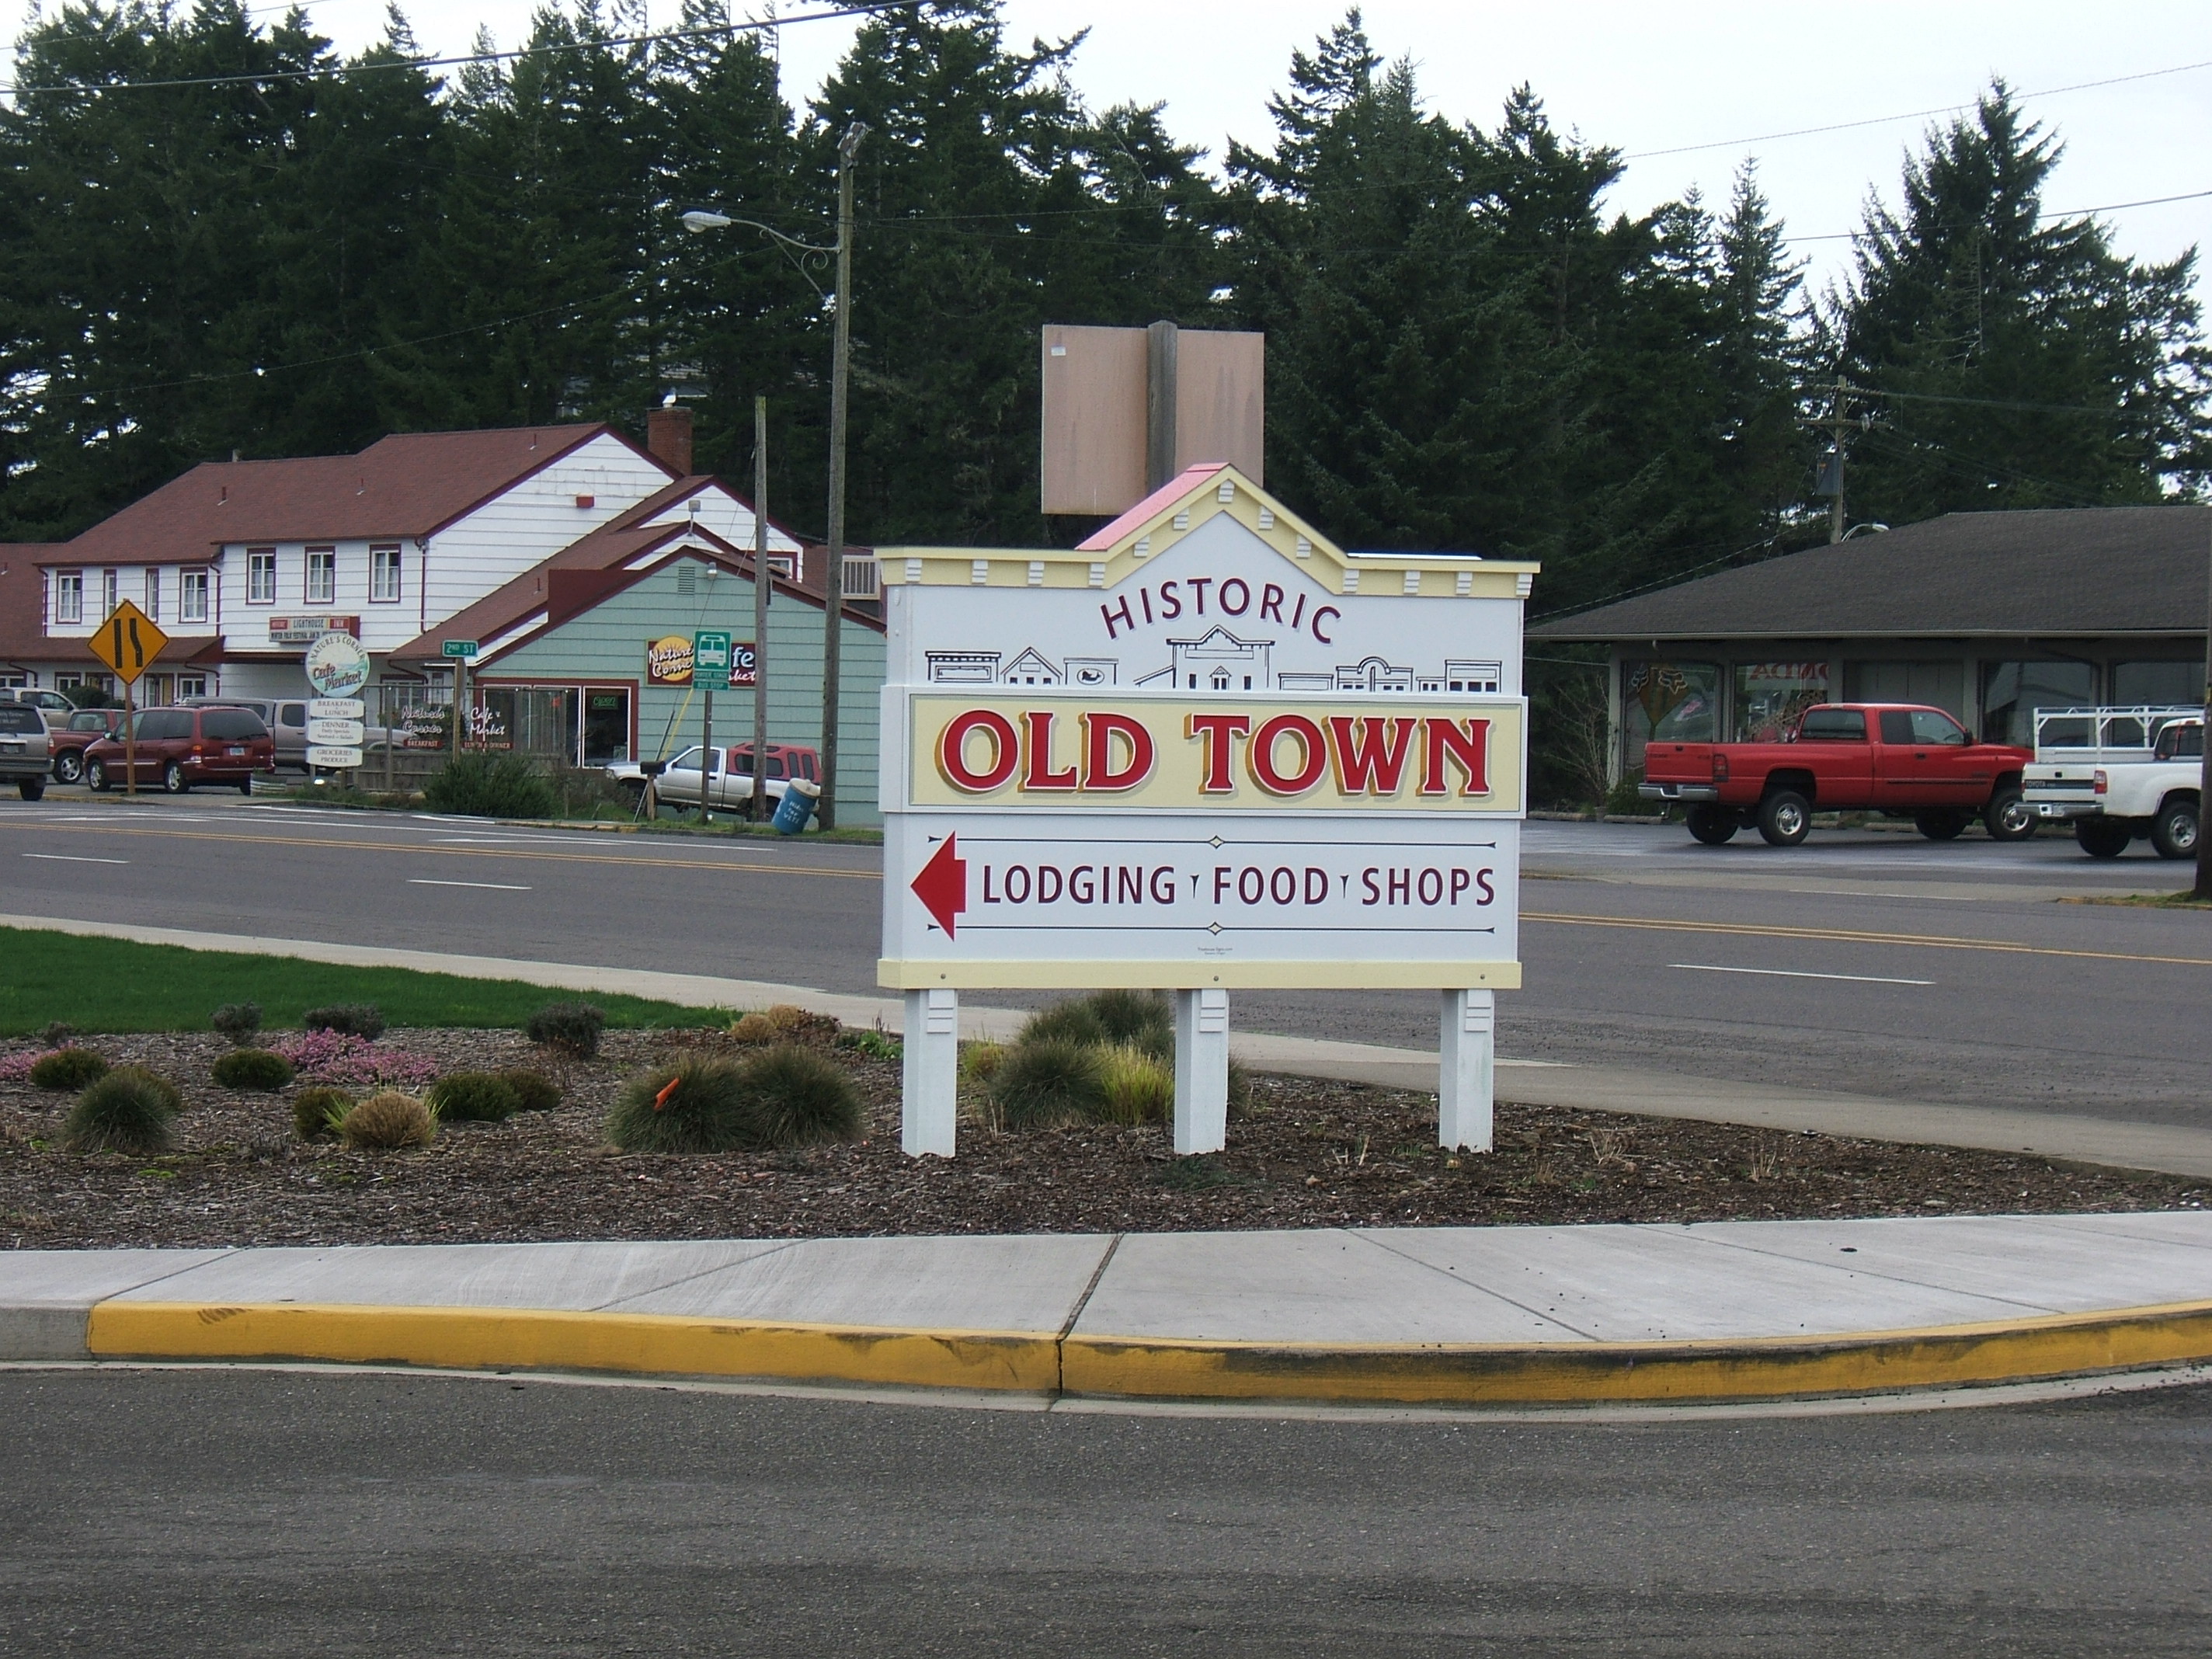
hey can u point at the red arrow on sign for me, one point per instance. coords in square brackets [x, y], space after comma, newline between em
[942, 886]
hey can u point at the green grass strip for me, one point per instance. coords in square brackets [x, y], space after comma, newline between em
[115, 985]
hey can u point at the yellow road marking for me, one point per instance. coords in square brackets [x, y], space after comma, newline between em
[468, 852]
[1848, 936]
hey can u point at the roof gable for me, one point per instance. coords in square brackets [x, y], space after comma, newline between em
[1185, 505]
[408, 484]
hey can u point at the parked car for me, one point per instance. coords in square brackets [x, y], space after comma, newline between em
[51, 701]
[286, 722]
[78, 733]
[729, 776]
[1903, 760]
[2120, 775]
[24, 761]
[177, 748]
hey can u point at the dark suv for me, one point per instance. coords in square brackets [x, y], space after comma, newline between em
[23, 754]
[177, 748]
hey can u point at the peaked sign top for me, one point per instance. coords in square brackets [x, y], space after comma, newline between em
[1184, 505]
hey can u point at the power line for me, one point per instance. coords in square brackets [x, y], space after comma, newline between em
[865, 8]
[1908, 115]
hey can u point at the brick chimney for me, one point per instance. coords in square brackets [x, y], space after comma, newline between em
[668, 435]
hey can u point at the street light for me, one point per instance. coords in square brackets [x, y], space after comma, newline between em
[700, 220]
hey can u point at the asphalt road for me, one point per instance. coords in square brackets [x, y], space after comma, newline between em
[183, 1513]
[1874, 962]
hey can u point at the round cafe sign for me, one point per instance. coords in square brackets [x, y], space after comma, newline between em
[337, 666]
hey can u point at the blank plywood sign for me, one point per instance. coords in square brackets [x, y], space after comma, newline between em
[1096, 395]
[1094, 419]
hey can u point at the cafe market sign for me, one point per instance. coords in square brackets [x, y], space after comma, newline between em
[1206, 750]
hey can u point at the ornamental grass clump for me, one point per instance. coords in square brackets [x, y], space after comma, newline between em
[251, 1068]
[1074, 1021]
[361, 1020]
[68, 1068]
[799, 1098]
[534, 1091]
[387, 1121]
[695, 1102]
[238, 1021]
[316, 1111]
[1141, 1019]
[473, 1097]
[573, 1027]
[127, 1110]
[1136, 1086]
[1048, 1085]
[756, 1028]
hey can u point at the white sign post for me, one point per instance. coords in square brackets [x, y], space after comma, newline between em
[1206, 751]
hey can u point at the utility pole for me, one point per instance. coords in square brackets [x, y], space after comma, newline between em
[2204, 771]
[833, 577]
[1837, 426]
[763, 580]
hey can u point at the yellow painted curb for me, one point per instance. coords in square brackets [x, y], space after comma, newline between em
[1571, 1373]
[1146, 1368]
[521, 1339]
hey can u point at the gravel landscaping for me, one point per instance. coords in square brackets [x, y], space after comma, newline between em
[1308, 1154]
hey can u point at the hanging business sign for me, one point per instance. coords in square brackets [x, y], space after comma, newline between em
[336, 666]
[673, 660]
[1204, 749]
[668, 660]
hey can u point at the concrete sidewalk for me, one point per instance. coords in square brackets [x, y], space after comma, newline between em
[1740, 1310]
[1759, 1103]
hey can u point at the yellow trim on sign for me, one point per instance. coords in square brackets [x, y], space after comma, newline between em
[1057, 975]
[475, 1339]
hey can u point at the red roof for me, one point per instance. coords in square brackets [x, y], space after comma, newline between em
[412, 484]
[1153, 505]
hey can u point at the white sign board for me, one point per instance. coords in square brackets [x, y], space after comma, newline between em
[336, 708]
[337, 666]
[334, 759]
[1205, 751]
[344, 734]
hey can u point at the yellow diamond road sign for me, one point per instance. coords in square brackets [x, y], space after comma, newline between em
[127, 641]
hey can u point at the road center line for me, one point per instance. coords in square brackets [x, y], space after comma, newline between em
[71, 857]
[432, 881]
[349, 846]
[1793, 973]
[1849, 936]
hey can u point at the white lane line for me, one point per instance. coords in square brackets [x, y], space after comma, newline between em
[71, 857]
[502, 886]
[1791, 973]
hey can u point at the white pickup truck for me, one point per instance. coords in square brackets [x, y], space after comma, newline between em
[2118, 774]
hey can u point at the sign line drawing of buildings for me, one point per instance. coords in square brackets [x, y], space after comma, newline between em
[1217, 660]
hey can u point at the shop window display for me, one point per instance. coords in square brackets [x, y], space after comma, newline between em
[1770, 695]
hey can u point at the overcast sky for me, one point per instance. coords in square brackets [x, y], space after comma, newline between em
[1707, 82]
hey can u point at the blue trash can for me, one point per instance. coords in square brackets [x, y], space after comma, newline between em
[796, 807]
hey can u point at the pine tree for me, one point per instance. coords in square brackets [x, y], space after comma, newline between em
[2010, 359]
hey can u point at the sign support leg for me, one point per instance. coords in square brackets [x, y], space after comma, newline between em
[1201, 1080]
[929, 1101]
[1466, 1077]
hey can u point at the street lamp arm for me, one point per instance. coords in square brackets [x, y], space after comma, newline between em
[699, 221]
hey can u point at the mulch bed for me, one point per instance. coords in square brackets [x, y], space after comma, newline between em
[1308, 1154]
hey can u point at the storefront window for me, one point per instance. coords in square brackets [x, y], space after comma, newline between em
[606, 727]
[1667, 703]
[1942, 684]
[2012, 691]
[1770, 695]
[2160, 684]
[586, 725]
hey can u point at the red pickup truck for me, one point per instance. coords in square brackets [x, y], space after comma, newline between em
[1900, 759]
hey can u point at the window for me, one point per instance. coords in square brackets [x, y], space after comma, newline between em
[68, 596]
[322, 584]
[261, 576]
[2182, 741]
[2012, 691]
[110, 592]
[1931, 727]
[1832, 726]
[191, 685]
[230, 725]
[16, 718]
[292, 714]
[1770, 695]
[154, 595]
[384, 576]
[1666, 703]
[1896, 727]
[163, 723]
[1941, 684]
[2160, 685]
[192, 596]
